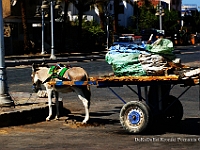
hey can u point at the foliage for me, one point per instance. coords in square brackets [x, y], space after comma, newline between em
[170, 22]
[196, 21]
[147, 18]
[92, 36]
[144, 18]
[92, 27]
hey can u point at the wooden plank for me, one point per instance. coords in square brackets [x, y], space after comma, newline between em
[127, 80]
[135, 78]
[70, 83]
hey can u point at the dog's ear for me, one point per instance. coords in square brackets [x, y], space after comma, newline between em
[35, 67]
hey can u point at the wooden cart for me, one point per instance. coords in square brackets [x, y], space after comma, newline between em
[135, 116]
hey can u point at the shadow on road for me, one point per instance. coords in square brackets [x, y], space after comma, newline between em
[189, 126]
[96, 118]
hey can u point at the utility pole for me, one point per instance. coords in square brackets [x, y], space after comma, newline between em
[43, 52]
[107, 28]
[45, 5]
[136, 7]
[52, 30]
[160, 15]
[5, 98]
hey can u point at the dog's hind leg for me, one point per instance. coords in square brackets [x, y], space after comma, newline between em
[57, 105]
[81, 96]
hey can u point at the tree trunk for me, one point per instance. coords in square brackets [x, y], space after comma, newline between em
[115, 22]
[80, 20]
[100, 6]
[25, 28]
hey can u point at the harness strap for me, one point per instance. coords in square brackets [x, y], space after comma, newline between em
[51, 70]
[55, 73]
[62, 72]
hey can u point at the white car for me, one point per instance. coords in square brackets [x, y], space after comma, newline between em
[124, 41]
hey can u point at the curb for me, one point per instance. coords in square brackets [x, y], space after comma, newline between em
[30, 115]
[18, 62]
[27, 110]
[21, 117]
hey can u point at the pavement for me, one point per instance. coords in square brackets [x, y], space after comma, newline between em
[30, 108]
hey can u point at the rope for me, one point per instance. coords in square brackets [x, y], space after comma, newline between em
[21, 104]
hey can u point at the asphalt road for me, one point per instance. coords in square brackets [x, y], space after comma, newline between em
[103, 130]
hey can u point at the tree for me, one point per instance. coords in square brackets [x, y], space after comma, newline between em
[82, 6]
[85, 5]
[147, 18]
[197, 21]
[116, 13]
[27, 42]
[101, 5]
[171, 22]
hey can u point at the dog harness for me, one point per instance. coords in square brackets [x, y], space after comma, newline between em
[58, 71]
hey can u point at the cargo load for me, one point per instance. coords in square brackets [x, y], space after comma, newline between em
[141, 60]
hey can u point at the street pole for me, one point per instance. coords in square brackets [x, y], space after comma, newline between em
[5, 98]
[43, 52]
[107, 27]
[52, 30]
[136, 6]
[160, 15]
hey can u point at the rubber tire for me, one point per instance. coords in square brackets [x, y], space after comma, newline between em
[139, 108]
[174, 113]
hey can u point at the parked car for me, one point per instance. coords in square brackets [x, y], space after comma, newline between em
[124, 41]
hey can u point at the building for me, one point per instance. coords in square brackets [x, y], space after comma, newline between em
[187, 9]
[126, 10]
[13, 20]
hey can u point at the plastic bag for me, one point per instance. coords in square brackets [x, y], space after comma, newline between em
[163, 47]
[124, 64]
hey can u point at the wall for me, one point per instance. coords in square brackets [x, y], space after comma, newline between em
[128, 12]
[6, 8]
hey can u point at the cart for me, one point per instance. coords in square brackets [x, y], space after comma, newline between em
[155, 100]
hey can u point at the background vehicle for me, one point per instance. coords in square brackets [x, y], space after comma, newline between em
[124, 40]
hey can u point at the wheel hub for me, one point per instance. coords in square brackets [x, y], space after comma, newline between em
[134, 117]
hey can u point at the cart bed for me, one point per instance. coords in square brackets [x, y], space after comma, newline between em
[129, 80]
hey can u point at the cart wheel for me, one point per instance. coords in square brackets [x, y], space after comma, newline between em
[173, 110]
[134, 116]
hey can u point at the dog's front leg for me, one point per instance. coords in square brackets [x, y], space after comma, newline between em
[49, 93]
